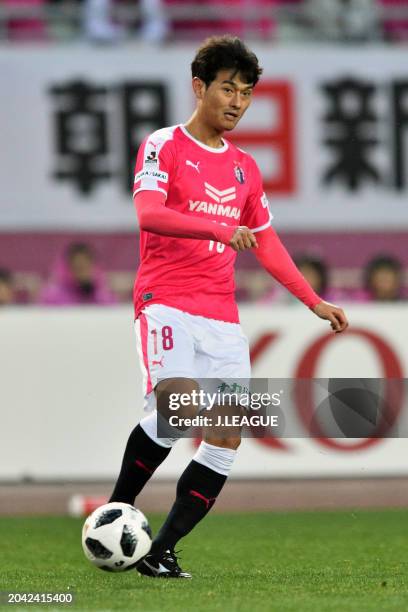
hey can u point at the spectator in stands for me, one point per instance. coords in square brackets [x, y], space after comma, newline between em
[7, 290]
[383, 279]
[77, 279]
[315, 271]
[343, 20]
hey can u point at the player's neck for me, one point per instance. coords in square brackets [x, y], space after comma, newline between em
[204, 133]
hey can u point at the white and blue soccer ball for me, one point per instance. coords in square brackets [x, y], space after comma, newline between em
[116, 536]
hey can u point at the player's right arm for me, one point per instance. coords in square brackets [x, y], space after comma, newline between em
[155, 166]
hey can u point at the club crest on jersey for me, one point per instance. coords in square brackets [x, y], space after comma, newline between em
[239, 174]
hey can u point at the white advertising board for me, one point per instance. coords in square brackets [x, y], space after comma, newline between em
[328, 129]
[71, 391]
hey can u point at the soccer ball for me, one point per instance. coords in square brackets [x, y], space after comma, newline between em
[116, 536]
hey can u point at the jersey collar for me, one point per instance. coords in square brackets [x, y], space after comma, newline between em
[201, 144]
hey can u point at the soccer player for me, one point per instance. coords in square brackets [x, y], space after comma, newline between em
[199, 200]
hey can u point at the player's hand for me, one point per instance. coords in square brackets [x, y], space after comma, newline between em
[332, 313]
[243, 239]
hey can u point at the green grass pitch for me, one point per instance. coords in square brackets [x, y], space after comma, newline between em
[272, 562]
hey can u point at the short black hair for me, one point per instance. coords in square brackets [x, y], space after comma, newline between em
[317, 264]
[225, 52]
[6, 276]
[79, 248]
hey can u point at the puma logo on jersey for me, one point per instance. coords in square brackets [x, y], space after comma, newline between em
[214, 209]
[195, 166]
[220, 196]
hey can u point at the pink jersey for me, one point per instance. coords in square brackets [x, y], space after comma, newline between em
[223, 185]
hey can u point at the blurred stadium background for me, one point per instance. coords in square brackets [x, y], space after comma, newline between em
[82, 83]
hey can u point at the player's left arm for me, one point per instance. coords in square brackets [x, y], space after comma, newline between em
[275, 259]
[273, 256]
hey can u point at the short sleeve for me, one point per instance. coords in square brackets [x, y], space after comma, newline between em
[154, 164]
[256, 214]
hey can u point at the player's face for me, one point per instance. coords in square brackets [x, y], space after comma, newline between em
[225, 100]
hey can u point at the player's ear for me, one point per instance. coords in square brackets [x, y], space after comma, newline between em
[198, 88]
